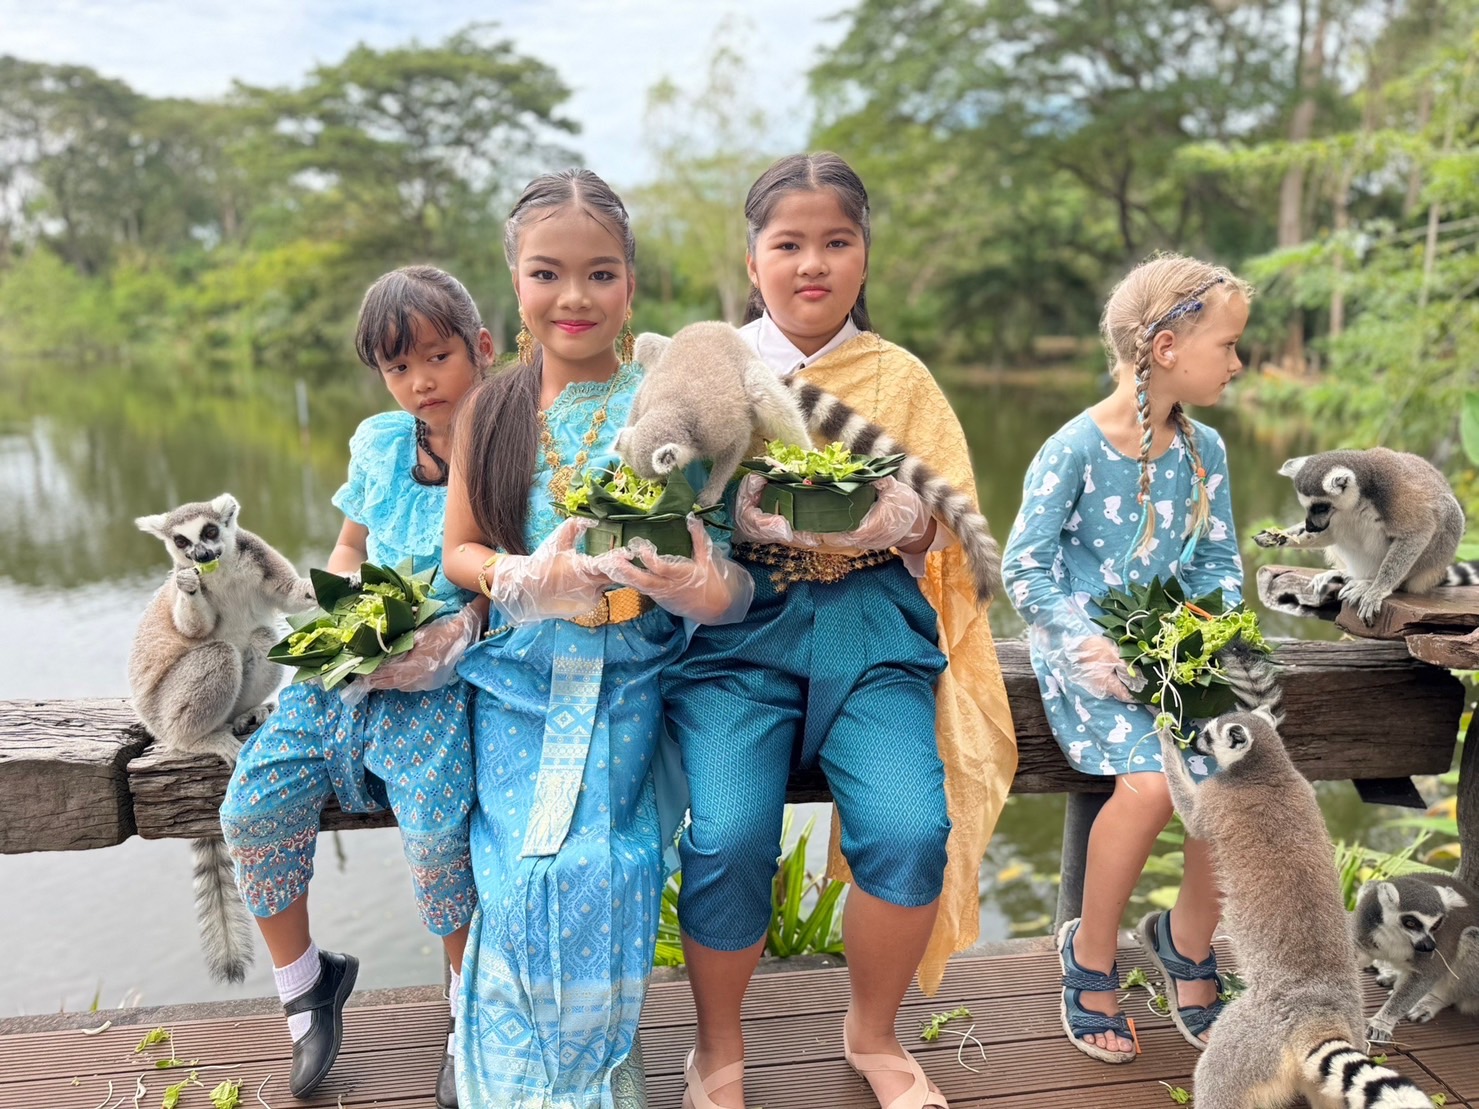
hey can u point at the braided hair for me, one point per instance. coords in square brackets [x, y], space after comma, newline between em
[1166, 293]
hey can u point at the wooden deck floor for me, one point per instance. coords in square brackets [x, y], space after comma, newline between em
[392, 1050]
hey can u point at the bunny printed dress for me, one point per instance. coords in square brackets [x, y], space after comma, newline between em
[1073, 541]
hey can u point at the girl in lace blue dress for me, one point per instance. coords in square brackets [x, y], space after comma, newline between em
[566, 843]
[1130, 490]
[403, 744]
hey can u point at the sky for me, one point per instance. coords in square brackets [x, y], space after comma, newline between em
[609, 52]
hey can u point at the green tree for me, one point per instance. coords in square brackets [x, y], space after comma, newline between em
[1022, 153]
[706, 149]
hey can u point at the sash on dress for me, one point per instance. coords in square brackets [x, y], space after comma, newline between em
[575, 688]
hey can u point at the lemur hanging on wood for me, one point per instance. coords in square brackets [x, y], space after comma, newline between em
[705, 394]
[1387, 521]
[201, 680]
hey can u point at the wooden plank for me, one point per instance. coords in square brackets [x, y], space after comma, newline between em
[1341, 700]
[1457, 1067]
[62, 783]
[1454, 652]
[792, 1018]
[179, 796]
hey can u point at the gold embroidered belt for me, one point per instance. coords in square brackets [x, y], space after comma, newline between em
[617, 607]
[792, 564]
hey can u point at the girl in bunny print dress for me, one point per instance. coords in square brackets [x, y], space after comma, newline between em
[1079, 519]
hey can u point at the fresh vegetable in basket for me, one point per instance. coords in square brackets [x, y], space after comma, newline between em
[1175, 643]
[357, 627]
[625, 505]
[819, 490]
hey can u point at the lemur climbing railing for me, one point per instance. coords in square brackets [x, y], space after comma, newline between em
[81, 774]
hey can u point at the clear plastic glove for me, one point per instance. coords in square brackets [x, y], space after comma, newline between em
[1098, 667]
[432, 662]
[754, 526]
[556, 581]
[707, 588]
[898, 518]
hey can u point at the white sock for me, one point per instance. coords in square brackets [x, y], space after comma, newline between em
[452, 999]
[295, 980]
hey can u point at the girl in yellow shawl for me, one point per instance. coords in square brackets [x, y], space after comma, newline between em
[871, 659]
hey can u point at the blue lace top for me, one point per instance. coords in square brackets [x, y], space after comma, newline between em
[405, 519]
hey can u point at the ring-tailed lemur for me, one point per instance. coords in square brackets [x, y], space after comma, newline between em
[1422, 932]
[1387, 520]
[201, 680]
[1296, 1028]
[703, 396]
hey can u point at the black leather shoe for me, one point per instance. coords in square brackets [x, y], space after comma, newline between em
[447, 1080]
[315, 1053]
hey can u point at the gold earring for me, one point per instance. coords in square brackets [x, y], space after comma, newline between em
[626, 343]
[525, 342]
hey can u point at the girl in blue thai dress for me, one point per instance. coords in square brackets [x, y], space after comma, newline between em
[566, 848]
[1129, 490]
[404, 743]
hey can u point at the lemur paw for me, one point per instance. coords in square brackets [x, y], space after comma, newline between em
[1425, 1010]
[1325, 584]
[1379, 1032]
[1386, 979]
[187, 580]
[1272, 537]
[227, 747]
[249, 721]
[1365, 597]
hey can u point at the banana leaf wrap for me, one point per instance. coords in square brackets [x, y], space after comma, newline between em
[1174, 643]
[356, 628]
[827, 490]
[625, 506]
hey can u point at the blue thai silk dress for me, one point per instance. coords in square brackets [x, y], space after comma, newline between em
[566, 847]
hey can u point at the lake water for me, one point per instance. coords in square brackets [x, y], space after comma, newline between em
[82, 454]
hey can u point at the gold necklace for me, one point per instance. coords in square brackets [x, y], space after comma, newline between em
[561, 475]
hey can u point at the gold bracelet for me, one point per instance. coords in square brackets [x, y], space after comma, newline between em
[491, 560]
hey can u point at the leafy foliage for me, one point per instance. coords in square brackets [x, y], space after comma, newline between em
[1176, 643]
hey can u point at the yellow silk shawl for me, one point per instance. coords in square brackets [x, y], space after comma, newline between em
[977, 742]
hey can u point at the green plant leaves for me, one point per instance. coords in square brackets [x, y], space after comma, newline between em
[356, 628]
[1173, 643]
[1468, 427]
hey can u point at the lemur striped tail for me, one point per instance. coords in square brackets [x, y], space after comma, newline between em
[225, 928]
[1463, 573]
[1253, 677]
[1342, 1072]
[835, 421]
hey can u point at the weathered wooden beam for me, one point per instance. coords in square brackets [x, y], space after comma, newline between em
[63, 786]
[1453, 652]
[179, 797]
[1355, 710]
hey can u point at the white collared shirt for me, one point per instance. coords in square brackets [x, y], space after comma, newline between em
[780, 354]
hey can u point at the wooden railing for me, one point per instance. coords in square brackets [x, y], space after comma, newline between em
[76, 775]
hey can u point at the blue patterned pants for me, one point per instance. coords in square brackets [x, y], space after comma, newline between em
[408, 752]
[840, 676]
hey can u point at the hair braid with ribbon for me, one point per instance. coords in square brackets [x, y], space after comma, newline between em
[1166, 293]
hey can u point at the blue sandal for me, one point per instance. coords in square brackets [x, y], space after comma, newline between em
[1079, 1022]
[1154, 934]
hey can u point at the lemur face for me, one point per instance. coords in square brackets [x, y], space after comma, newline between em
[1323, 490]
[1409, 914]
[196, 533]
